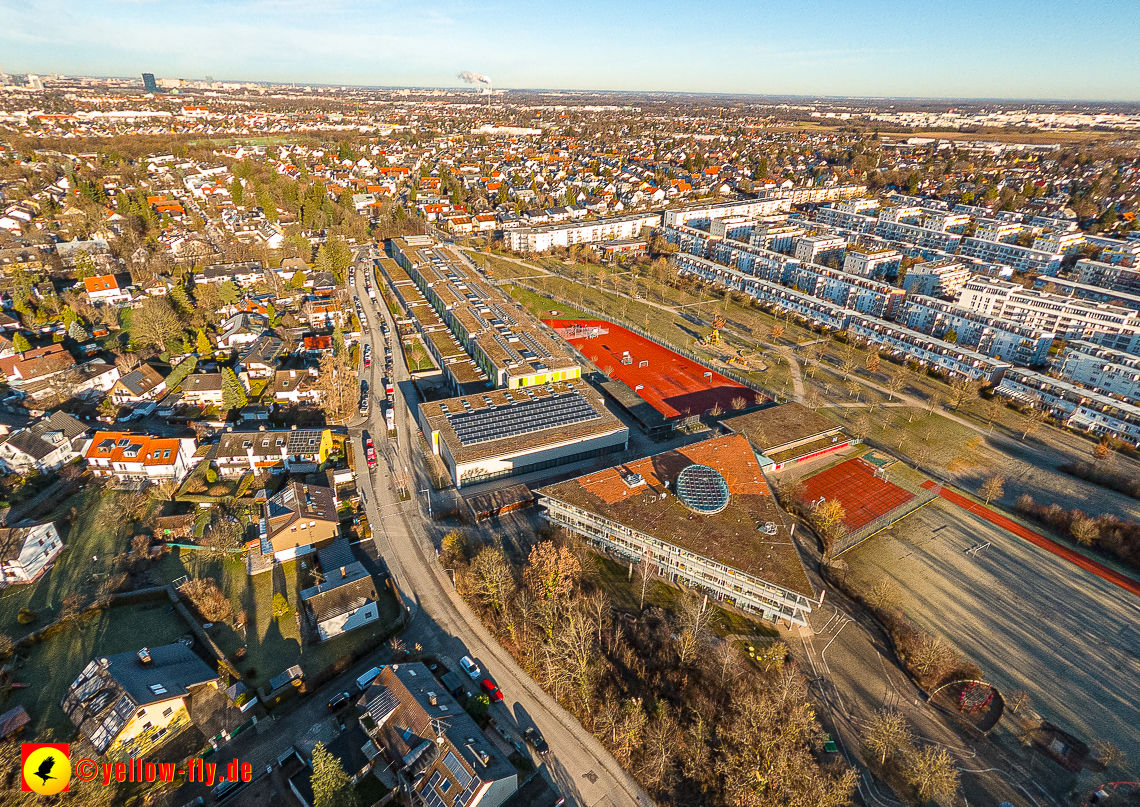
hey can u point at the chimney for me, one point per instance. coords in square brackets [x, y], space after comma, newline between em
[343, 573]
[292, 373]
[432, 699]
[261, 428]
[144, 656]
[294, 427]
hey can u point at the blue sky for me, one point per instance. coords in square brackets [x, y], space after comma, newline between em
[965, 49]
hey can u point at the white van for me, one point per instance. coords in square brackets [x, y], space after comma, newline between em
[364, 681]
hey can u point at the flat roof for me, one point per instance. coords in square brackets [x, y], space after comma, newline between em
[777, 426]
[510, 422]
[731, 537]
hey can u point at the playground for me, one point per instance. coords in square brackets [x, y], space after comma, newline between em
[672, 384]
[862, 488]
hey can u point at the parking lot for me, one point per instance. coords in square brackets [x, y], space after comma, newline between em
[1029, 619]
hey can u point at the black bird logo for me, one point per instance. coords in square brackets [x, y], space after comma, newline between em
[44, 770]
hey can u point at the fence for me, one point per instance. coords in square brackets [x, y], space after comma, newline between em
[921, 497]
[744, 381]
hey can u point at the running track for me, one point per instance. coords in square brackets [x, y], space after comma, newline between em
[1060, 550]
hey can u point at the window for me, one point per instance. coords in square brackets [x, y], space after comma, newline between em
[158, 689]
[168, 711]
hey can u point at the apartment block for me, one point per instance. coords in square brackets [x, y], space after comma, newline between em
[1023, 259]
[819, 248]
[1101, 369]
[911, 345]
[1076, 406]
[1113, 277]
[567, 234]
[1104, 324]
[992, 336]
[943, 277]
[871, 262]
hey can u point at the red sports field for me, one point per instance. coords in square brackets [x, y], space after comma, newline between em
[863, 495]
[671, 384]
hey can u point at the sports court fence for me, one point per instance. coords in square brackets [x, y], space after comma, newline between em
[921, 497]
[730, 374]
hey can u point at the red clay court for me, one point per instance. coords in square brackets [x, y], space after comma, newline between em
[671, 384]
[863, 495]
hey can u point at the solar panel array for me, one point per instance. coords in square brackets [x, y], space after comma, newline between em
[534, 345]
[525, 417]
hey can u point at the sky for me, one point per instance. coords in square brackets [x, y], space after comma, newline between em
[1047, 49]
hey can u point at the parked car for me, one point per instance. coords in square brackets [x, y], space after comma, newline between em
[491, 691]
[370, 452]
[536, 740]
[470, 667]
[339, 700]
[226, 788]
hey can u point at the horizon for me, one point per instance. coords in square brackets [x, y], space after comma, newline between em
[1002, 51]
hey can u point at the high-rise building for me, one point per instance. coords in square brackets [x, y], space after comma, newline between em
[148, 82]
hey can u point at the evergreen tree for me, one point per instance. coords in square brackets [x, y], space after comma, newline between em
[271, 313]
[331, 785]
[233, 393]
[229, 292]
[179, 301]
[298, 280]
[20, 343]
[236, 191]
[203, 348]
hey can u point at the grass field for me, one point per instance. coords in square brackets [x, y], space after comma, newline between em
[51, 666]
[416, 355]
[97, 532]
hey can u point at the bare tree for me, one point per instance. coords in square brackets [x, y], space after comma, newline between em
[886, 734]
[873, 361]
[964, 390]
[645, 573]
[1085, 530]
[993, 488]
[739, 403]
[493, 579]
[933, 658]
[693, 623]
[932, 773]
[1109, 754]
[1032, 421]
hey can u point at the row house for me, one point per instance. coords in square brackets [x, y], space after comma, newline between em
[1019, 344]
[140, 457]
[275, 451]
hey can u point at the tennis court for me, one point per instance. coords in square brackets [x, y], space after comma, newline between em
[863, 495]
[670, 383]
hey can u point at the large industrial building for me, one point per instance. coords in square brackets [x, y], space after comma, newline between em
[702, 515]
[503, 433]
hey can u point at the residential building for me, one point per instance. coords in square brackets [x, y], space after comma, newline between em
[911, 345]
[297, 520]
[993, 336]
[1022, 259]
[1101, 369]
[504, 433]
[819, 248]
[871, 262]
[36, 364]
[346, 599]
[1113, 277]
[276, 451]
[129, 703]
[144, 383]
[46, 445]
[140, 457]
[1085, 291]
[437, 752]
[242, 273]
[27, 552]
[105, 289]
[260, 357]
[570, 233]
[938, 278]
[203, 389]
[1069, 318]
[701, 515]
[1076, 406]
[241, 329]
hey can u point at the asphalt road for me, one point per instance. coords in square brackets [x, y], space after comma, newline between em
[404, 535]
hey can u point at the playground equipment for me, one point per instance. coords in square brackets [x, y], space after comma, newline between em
[714, 337]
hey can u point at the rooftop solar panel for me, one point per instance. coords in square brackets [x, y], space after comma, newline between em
[524, 417]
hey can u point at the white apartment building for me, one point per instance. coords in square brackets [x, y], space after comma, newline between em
[871, 261]
[1023, 259]
[818, 248]
[704, 214]
[939, 278]
[1077, 407]
[904, 343]
[1104, 324]
[1101, 369]
[1017, 344]
[567, 234]
[1108, 275]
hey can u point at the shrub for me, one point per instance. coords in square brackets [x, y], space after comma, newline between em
[26, 616]
[280, 606]
[208, 599]
[211, 475]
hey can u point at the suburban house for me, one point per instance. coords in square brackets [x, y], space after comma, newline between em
[298, 519]
[346, 599]
[105, 289]
[436, 750]
[26, 552]
[295, 386]
[131, 702]
[324, 313]
[142, 384]
[37, 363]
[241, 329]
[140, 457]
[205, 389]
[49, 443]
[299, 450]
[259, 358]
[243, 273]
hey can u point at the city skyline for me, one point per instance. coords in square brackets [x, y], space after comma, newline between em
[884, 50]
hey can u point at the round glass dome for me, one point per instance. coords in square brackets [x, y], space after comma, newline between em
[702, 489]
